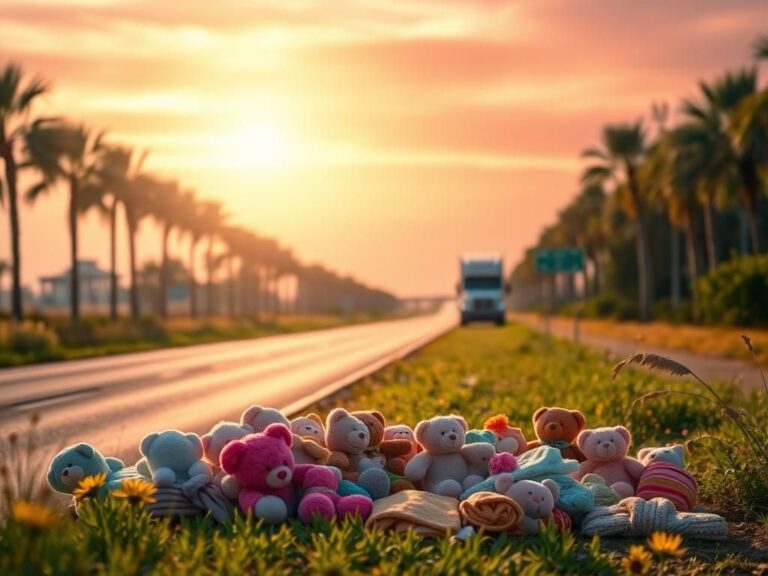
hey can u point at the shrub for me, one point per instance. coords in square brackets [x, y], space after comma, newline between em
[32, 338]
[735, 293]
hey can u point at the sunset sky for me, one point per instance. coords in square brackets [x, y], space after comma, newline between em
[379, 137]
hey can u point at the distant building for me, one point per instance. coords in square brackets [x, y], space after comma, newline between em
[94, 287]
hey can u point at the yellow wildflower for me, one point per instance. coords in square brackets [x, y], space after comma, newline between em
[638, 561]
[89, 486]
[34, 514]
[137, 491]
[664, 544]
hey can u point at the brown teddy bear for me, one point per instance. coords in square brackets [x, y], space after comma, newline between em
[559, 427]
[399, 446]
[375, 422]
[305, 450]
[310, 426]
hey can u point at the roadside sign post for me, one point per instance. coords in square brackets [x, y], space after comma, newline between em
[560, 261]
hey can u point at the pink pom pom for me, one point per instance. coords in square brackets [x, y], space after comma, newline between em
[504, 462]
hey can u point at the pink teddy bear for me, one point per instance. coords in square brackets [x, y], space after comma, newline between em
[320, 498]
[268, 477]
[606, 455]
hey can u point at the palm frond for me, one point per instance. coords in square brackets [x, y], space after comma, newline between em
[32, 91]
[34, 192]
[596, 174]
[9, 86]
[594, 152]
[760, 49]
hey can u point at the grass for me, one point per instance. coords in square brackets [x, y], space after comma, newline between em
[478, 372]
[722, 341]
[50, 339]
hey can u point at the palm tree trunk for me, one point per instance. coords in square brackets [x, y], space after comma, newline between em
[209, 288]
[162, 299]
[709, 231]
[691, 258]
[231, 274]
[674, 263]
[74, 278]
[113, 261]
[132, 225]
[192, 282]
[644, 260]
[17, 306]
[750, 198]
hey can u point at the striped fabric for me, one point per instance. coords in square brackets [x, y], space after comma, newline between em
[665, 480]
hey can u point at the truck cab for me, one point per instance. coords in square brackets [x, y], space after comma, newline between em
[482, 289]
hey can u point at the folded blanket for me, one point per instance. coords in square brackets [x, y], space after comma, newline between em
[171, 502]
[425, 513]
[636, 517]
[207, 496]
[541, 463]
[491, 511]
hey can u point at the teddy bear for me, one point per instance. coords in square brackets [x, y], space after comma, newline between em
[399, 446]
[559, 427]
[310, 426]
[348, 437]
[376, 423]
[264, 468]
[605, 450]
[665, 476]
[320, 498]
[444, 464]
[537, 499]
[305, 450]
[174, 458]
[508, 438]
[479, 459]
[74, 463]
[213, 443]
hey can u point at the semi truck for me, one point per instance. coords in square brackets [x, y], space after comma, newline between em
[482, 289]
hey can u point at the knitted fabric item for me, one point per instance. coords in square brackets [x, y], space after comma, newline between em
[425, 513]
[491, 512]
[638, 518]
[666, 480]
[604, 495]
[562, 520]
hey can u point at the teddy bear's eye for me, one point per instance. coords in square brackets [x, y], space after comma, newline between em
[442, 433]
[285, 462]
[530, 493]
[69, 464]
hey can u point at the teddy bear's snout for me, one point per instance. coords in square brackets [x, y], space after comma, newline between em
[553, 426]
[452, 437]
[537, 498]
[279, 477]
[362, 436]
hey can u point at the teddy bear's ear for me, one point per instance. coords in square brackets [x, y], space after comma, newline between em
[421, 431]
[315, 418]
[281, 432]
[539, 413]
[462, 422]
[624, 434]
[581, 421]
[379, 416]
[643, 453]
[206, 440]
[146, 442]
[194, 440]
[336, 415]
[85, 450]
[247, 428]
[581, 439]
[251, 413]
[503, 482]
[231, 455]
[679, 451]
[554, 487]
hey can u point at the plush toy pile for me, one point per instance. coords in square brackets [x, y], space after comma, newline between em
[440, 477]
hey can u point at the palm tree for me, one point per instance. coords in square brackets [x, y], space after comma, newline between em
[120, 166]
[722, 105]
[165, 208]
[137, 202]
[67, 153]
[190, 220]
[212, 220]
[623, 149]
[15, 104]
[4, 267]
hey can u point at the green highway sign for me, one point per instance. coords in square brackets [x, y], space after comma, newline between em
[553, 260]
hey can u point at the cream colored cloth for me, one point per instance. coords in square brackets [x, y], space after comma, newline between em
[638, 518]
[491, 512]
[425, 513]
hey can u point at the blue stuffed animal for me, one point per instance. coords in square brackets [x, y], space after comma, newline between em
[76, 462]
[172, 458]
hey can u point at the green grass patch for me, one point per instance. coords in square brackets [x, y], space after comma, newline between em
[476, 372]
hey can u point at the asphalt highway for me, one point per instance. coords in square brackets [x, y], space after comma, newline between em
[113, 402]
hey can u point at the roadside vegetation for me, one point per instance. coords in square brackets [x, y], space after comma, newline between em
[671, 218]
[477, 372]
[51, 339]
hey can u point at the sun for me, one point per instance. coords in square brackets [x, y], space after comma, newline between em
[261, 146]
